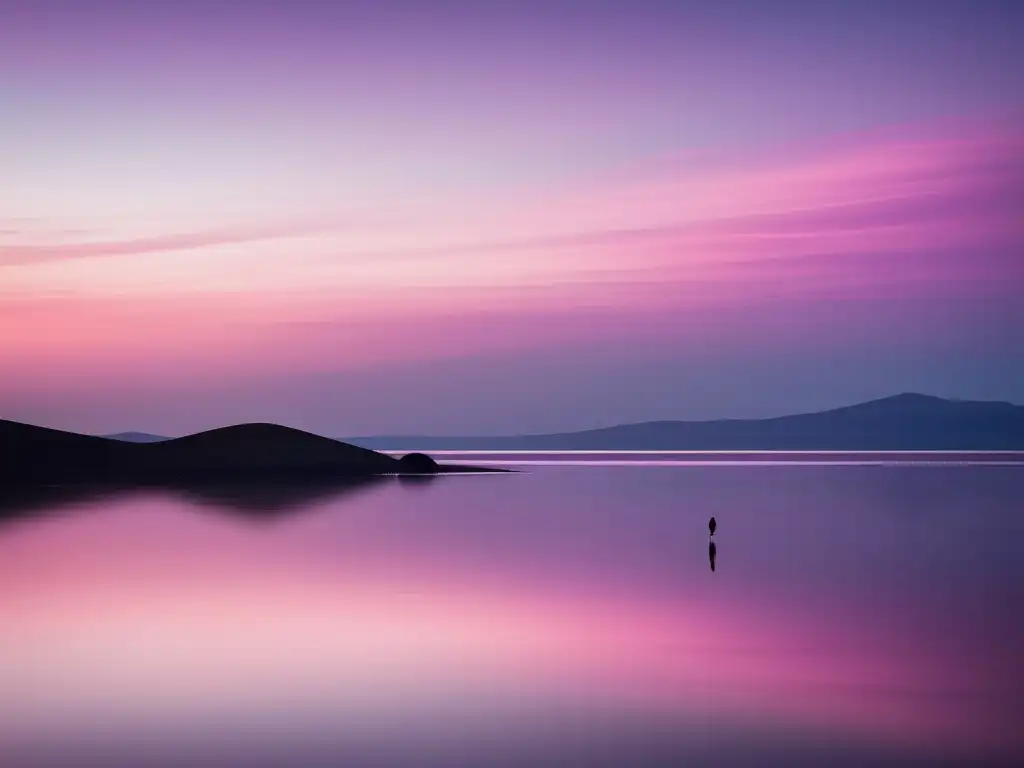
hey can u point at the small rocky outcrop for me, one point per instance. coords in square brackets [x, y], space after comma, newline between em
[418, 464]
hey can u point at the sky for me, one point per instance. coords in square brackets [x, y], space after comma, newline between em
[484, 218]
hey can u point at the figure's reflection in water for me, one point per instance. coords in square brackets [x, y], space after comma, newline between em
[712, 554]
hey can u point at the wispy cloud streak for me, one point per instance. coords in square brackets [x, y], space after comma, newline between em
[22, 254]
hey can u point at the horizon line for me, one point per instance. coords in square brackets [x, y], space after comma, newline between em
[674, 452]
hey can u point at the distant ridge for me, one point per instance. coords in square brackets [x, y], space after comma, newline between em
[243, 453]
[907, 421]
[136, 437]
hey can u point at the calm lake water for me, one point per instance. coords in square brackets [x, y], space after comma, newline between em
[863, 610]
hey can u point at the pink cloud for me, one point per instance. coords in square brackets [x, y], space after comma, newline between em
[888, 194]
[661, 254]
[17, 254]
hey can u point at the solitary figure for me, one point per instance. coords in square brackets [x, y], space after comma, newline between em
[712, 525]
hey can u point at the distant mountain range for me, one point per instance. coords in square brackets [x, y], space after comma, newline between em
[243, 453]
[910, 421]
[137, 437]
[902, 422]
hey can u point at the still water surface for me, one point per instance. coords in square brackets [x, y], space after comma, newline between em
[866, 613]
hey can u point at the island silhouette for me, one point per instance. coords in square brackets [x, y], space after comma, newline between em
[240, 454]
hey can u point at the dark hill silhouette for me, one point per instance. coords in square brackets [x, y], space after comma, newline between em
[262, 448]
[247, 452]
[907, 421]
[36, 454]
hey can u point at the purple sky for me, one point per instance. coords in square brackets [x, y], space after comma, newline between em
[477, 218]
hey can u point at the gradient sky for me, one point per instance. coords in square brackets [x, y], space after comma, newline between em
[496, 217]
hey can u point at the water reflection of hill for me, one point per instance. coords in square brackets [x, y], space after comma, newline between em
[275, 499]
[25, 501]
[257, 500]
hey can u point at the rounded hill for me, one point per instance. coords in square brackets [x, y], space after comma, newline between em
[265, 447]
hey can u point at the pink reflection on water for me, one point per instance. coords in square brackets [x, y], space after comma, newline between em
[149, 613]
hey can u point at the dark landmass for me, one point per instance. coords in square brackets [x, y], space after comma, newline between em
[247, 453]
[911, 422]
